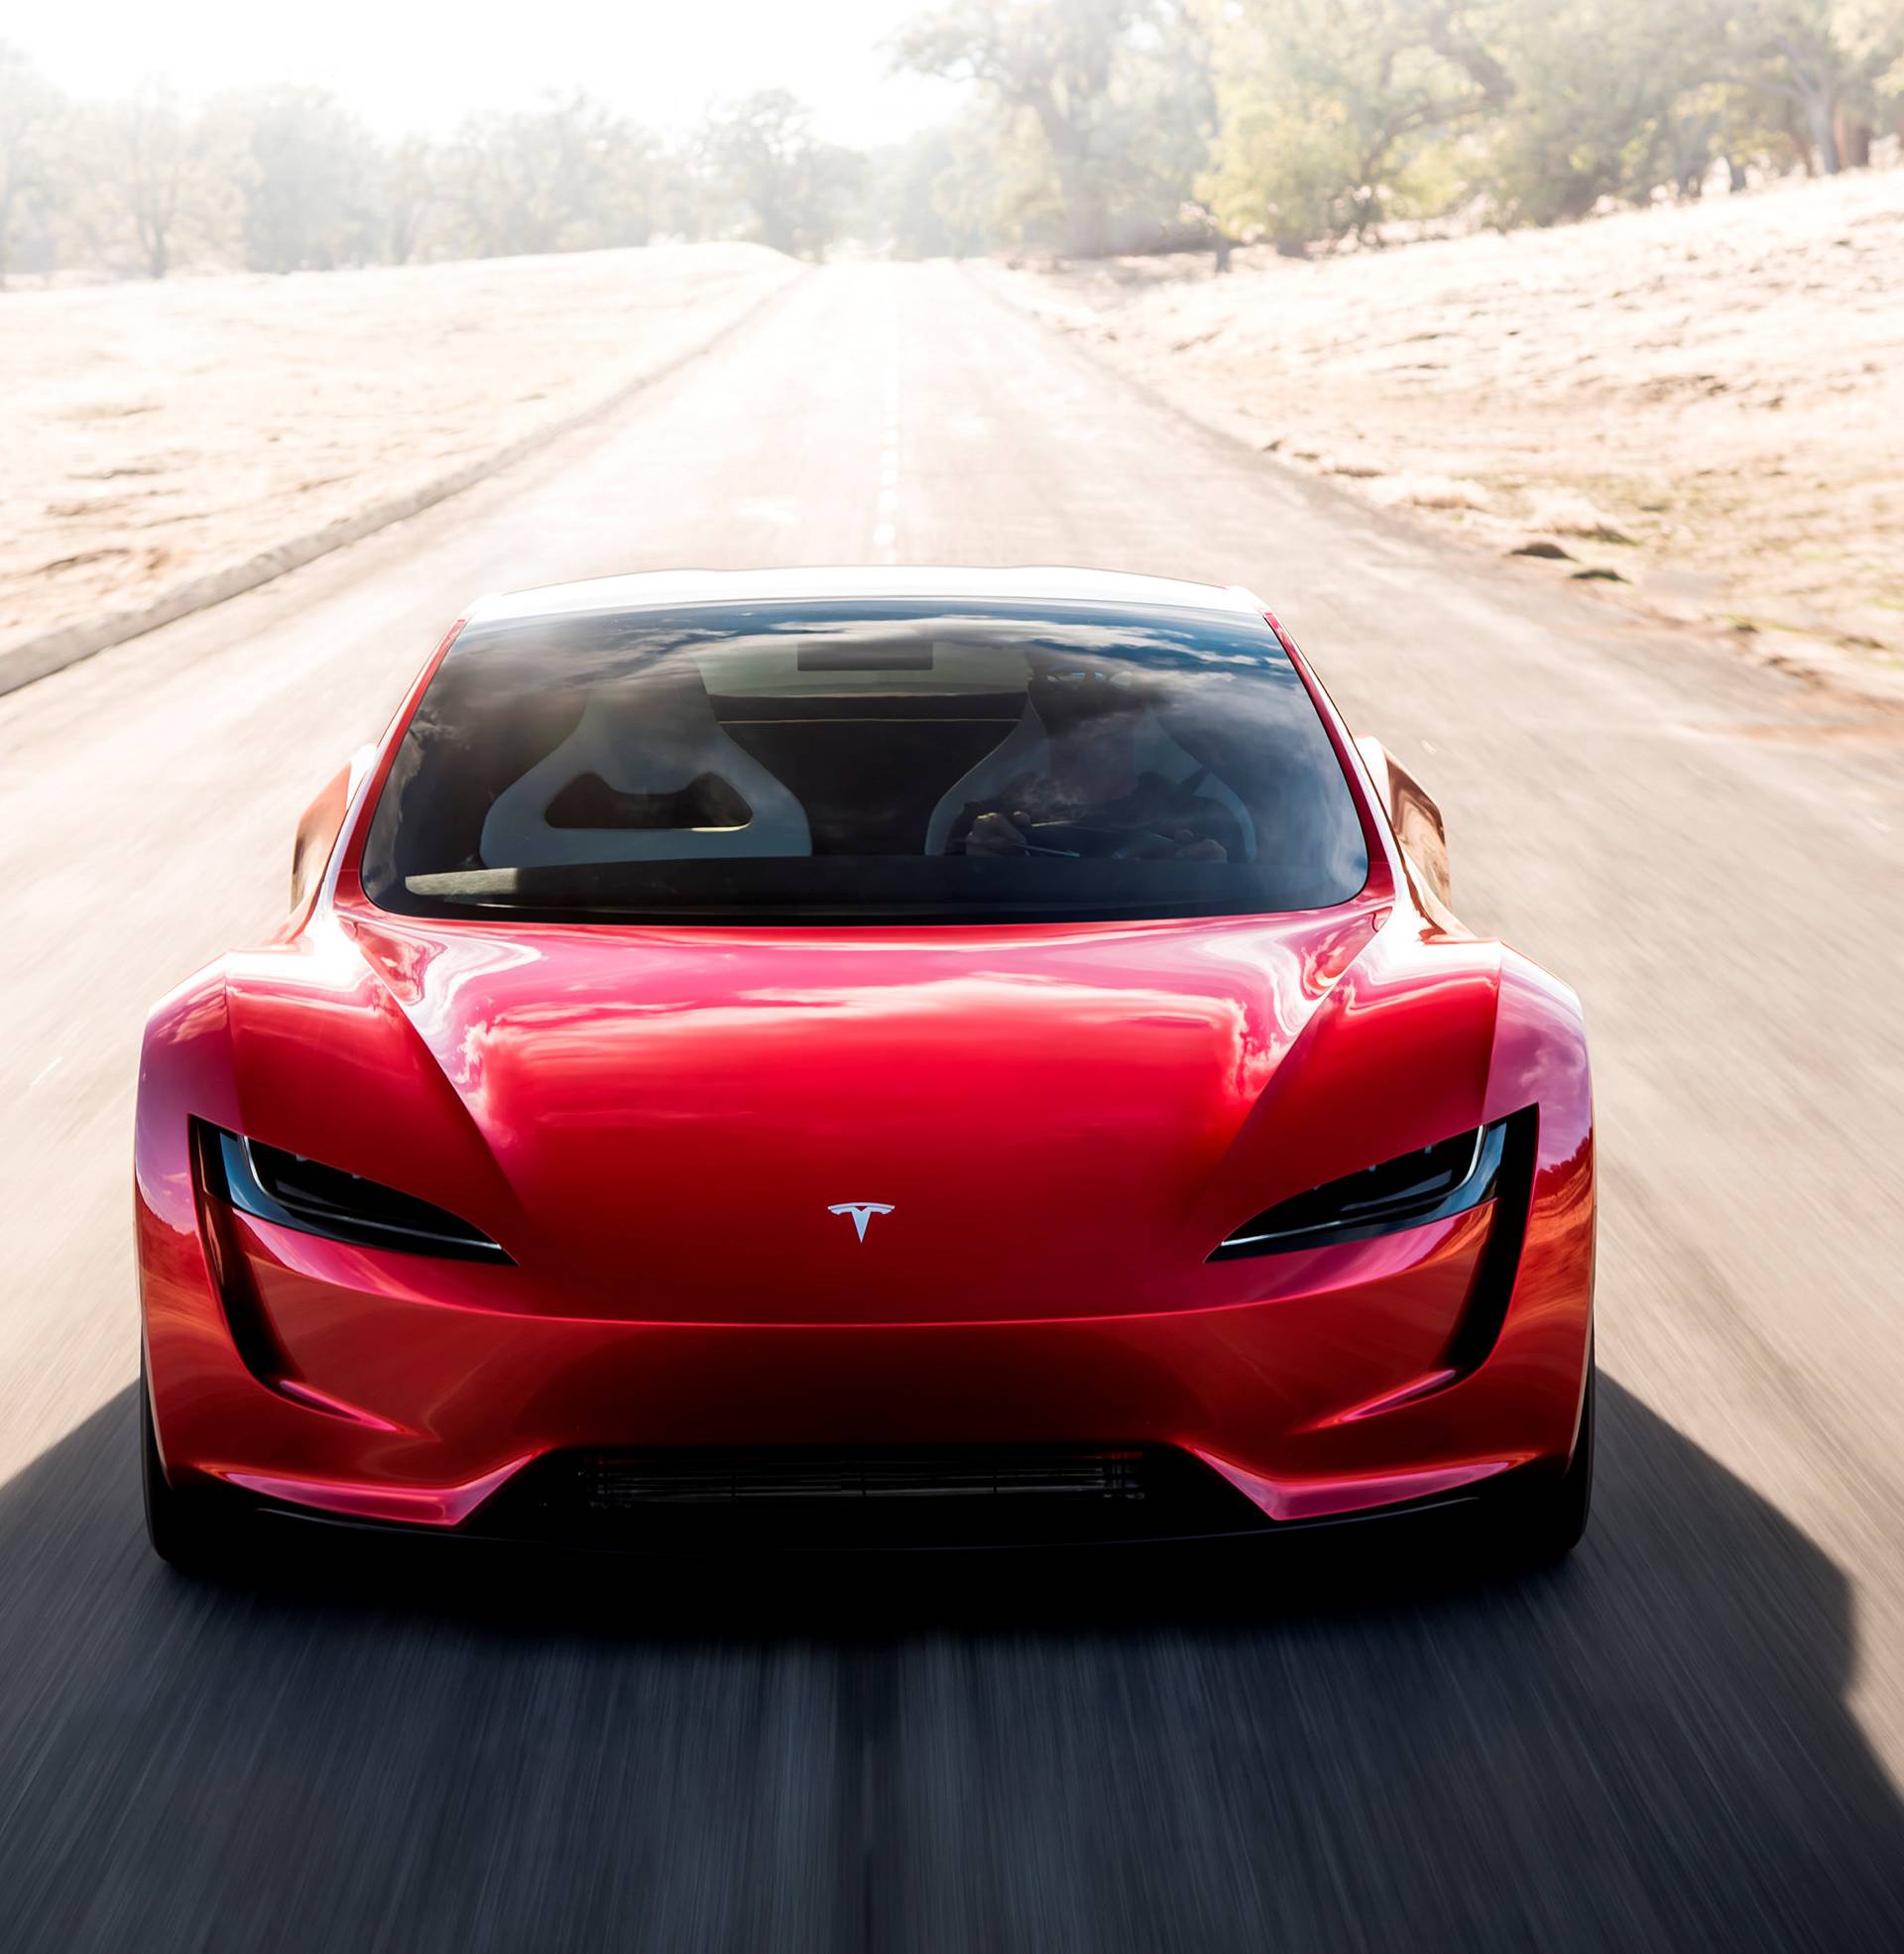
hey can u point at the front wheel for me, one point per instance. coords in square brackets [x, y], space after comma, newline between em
[186, 1528]
[1549, 1514]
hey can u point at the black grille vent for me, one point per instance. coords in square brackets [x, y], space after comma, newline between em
[645, 1479]
[695, 1499]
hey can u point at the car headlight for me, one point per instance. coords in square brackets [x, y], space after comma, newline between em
[1430, 1184]
[294, 1192]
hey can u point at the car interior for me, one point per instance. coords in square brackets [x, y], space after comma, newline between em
[664, 767]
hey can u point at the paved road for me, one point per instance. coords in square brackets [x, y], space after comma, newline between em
[1690, 1738]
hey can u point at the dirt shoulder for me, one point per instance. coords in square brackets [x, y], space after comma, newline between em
[1698, 408]
[158, 433]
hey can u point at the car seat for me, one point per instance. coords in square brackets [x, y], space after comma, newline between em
[1027, 749]
[657, 738]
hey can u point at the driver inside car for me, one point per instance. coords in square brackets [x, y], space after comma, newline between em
[1094, 797]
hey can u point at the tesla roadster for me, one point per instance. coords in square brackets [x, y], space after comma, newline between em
[852, 1058]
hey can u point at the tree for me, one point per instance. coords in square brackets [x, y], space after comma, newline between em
[1327, 107]
[1073, 67]
[682, 202]
[566, 176]
[410, 194]
[307, 179]
[942, 192]
[151, 180]
[30, 113]
[1825, 58]
[1590, 99]
[1339, 114]
[792, 187]
[1611, 98]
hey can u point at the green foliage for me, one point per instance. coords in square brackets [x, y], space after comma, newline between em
[285, 178]
[32, 117]
[1829, 61]
[1290, 172]
[941, 195]
[413, 199]
[790, 187]
[146, 183]
[568, 176]
[307, 174]
[1089, 126]
[1337, 115]
[1581, 121]
[1330, 111]
[1100, 108]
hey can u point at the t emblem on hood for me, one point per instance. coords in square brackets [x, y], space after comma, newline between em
[862, 1212]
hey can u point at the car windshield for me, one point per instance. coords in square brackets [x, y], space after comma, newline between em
[865, 762]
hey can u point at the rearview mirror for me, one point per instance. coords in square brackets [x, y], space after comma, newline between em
[319, 825]
[1413, 815]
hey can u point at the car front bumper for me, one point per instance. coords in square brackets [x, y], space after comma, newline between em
[385, 1401]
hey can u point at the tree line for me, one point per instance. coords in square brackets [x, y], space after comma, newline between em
[1089, 126]
[287, 178]
[1102, 125]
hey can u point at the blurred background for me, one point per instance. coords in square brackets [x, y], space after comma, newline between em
[1541, 362]
[1698, 402]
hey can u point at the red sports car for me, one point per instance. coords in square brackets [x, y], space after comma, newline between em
[892, 1057]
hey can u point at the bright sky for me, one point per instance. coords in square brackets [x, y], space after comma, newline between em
[406, 67]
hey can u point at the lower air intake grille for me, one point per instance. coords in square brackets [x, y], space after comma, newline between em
[645, 1479]
[697, 1499]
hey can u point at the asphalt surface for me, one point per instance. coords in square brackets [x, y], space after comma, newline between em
[1691, 1736]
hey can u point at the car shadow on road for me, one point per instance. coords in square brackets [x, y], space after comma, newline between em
[1354, 1746]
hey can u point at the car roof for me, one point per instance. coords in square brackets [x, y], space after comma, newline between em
[1020, 584]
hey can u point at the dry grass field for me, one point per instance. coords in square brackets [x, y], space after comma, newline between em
[158, 432]
[1704, 401]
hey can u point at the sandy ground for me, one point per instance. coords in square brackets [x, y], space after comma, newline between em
[157, 431]
[1704, 401]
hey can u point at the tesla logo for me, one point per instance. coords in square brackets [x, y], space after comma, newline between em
[862, 1212]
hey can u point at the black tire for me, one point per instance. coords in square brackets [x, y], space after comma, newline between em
[1548, 1515]
[189, 1529]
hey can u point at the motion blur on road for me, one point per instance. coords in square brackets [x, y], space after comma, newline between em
[1690, 1735]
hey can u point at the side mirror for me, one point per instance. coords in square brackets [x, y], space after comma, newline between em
[320, 824]
[1413, 815]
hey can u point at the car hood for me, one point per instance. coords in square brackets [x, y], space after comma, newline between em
[678, 1126]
